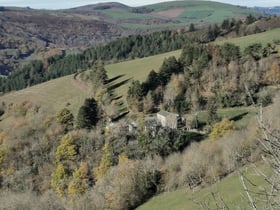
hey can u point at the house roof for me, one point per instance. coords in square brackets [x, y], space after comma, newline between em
[166, 114]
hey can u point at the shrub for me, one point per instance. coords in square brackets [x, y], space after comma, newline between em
[221, 128]
[264, 97]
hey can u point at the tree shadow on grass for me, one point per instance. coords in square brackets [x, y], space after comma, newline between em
[119, 84]
[114, 78]
[239, 117]
[117, 98]
[120, 116]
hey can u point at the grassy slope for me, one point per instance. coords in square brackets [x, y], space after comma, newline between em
[230, 189]
[136, 69]
[55, 94]
[262, 38]
[63, 89]
[194, 12]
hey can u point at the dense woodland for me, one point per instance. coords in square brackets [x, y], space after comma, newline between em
[206, 72]
[62, 161]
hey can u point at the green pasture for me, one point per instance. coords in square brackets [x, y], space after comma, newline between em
[229, 190]
[263, 38]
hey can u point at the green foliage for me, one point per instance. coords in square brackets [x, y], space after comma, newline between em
[65, 117]
[250, 19]
[264, 97]
[59, 178]
[212, 115]
[125, 48]
[169, 66]
[192, 28]
[221, 128]
[88, 114]
[67, 150]
[181, 105]
[98, 75]
[213, 32]
[230, 52]
[135, 90]
[164, 141]
[254, 50]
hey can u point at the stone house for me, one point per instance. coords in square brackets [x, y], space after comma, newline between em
[168, 119]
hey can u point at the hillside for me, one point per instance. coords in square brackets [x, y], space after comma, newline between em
[228, 190]
[28, 34]
[262, 38]
[63, 90]
[57, 93]
[170, 14]
[94, 140]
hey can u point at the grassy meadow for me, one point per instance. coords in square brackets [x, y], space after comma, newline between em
[229, 189]
[263, 38]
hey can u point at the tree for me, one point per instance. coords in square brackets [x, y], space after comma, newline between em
[65, 118]
[221, 128]
[192, 28]
[88, 114]
[254, 50]
[104, 164]
[170, 66]
[230, 52]
[250, 19]
[181, 105]
[212, 115]
[59, 177]
[66, 150]
[135, 96]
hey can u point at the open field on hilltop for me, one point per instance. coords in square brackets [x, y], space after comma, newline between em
[263, 38]
[229, 189]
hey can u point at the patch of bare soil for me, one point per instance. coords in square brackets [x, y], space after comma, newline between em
[170, 13]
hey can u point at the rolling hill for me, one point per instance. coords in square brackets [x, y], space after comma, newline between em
[55, 94]
[28, 34]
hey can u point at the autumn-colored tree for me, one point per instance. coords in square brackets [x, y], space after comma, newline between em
[66, 150]
[65, 118]
[104, 164]
[59, 178]
[221, 128]
[79, 182]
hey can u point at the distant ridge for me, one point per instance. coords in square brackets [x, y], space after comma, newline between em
[99, 6]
